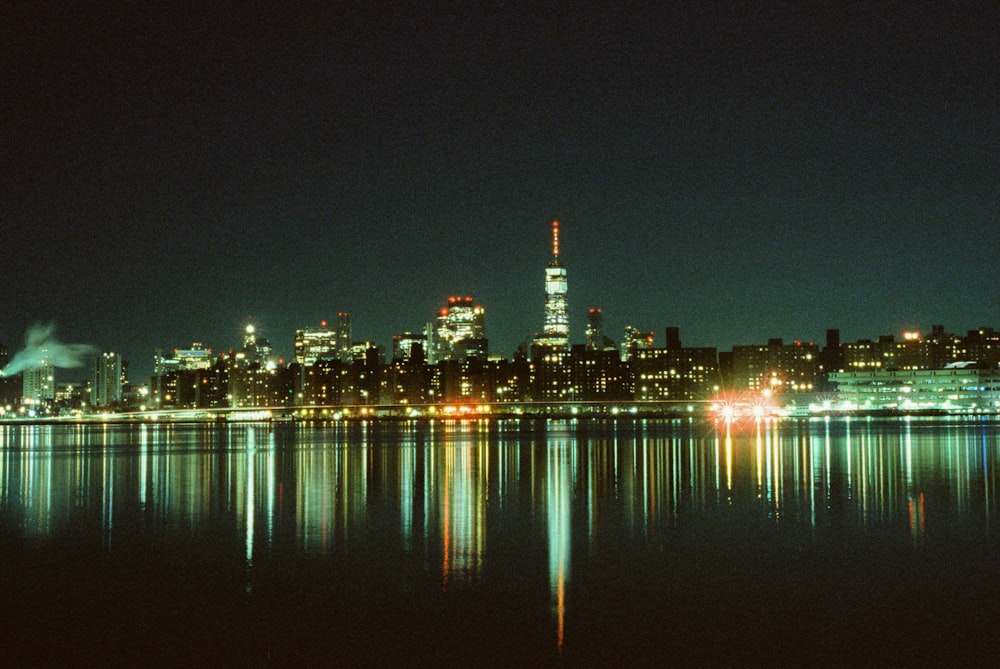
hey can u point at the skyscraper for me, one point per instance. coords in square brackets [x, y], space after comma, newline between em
[314, 343]
[555, 333]
[106, 380]
[461, 331]
[596, 340]
[344, 340]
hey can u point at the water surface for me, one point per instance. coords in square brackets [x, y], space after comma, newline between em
[501, 542]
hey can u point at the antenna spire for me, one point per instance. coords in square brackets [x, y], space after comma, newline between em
[555, 239]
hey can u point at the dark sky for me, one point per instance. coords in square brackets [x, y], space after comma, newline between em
[740, 170]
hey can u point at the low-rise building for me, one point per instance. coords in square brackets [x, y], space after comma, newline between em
[960, 387]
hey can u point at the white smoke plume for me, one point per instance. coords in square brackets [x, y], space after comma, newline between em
[41, 346]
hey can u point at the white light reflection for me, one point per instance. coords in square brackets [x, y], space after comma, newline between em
[561, 469]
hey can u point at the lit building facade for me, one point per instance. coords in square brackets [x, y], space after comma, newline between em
[597, 375]
[409, 346]
[106, 380]
[675, 374]
[460, 331]
[255, 347]
[961, 387]
[196, 357]
[315, 343]
[39, 384]
[776, 367]
[635, 340]
[555, 333]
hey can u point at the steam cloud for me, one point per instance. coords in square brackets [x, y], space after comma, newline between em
[40, 345]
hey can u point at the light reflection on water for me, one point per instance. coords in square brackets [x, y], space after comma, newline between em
[454, 494]
[442, 478]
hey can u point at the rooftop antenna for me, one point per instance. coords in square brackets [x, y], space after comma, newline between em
[555, 240]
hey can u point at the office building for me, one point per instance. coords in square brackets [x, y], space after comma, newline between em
[315, 343]
[460, 331]
[555, 332]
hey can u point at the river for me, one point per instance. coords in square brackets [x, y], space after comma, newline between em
[502, 543]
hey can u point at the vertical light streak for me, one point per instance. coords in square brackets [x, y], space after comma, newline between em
[768, 465]
[675, 479]
[717, 464]
[271, 491]
[407, 476]
[729, 462]
[446, 520]
[987, 480]
[248, 510]
[560, 531]
[759, 443]
[108, 502]
[143, 464]
[645, 483]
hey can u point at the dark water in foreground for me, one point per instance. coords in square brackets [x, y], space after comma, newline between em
[501, 543]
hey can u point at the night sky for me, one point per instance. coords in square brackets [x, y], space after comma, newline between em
[742, 171]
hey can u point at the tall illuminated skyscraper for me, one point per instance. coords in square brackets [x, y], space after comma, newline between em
[106, 380]
[556, 331]
[460, 332]
[315, 343]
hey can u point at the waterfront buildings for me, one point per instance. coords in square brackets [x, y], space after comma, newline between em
[958, 387]
[450, 363]
[775, 367]
[675, 373]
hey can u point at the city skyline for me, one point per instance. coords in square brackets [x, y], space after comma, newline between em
[41, 344]
[740, 172]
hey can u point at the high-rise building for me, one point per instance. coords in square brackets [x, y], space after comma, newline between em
[106, 380]
[10, 386]
[344, 340]
[635, 340]
[555, 333]
[255, 347]
[39, 383]
[460, 332]
[596, 341]
[315, 343]
[409, 346]
[196, 357]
